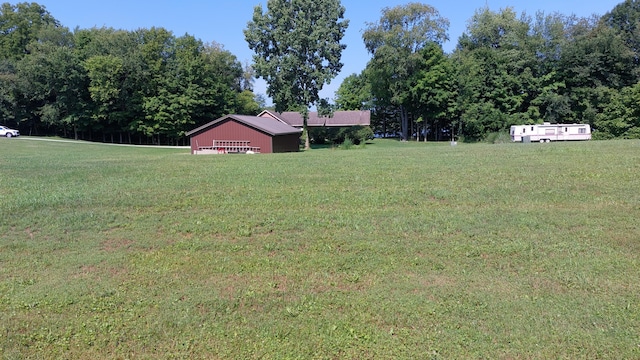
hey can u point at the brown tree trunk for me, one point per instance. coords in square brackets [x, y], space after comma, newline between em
[404, 123]
[305, 130]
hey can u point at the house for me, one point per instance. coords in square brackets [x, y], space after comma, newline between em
[339, 118]
[242, 134]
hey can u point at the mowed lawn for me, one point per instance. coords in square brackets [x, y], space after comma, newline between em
[392, 251]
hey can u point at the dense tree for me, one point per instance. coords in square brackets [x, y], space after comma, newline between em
[148, 85]
[621, 114]
[546, 89]
[395, 42]
[496, 67]
[624, 19]
[20, 25]
[354, 93]
[593, 58]
[297, 50]
[108, 83]
[54, 81]
[596, 56]
[105, 74]
[114, 106]
[10, 84]
[433, 91]
[225, 78]
[246, 103]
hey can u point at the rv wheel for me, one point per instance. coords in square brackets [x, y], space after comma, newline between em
[541, 141]
[548, 140]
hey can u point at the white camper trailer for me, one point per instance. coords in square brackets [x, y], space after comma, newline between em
[550, 132]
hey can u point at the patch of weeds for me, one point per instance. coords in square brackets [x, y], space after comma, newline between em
[347, 144]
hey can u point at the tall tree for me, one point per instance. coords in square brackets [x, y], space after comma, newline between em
[620, 117]
[625, 20]
[106, 74]
[54, 81]
[354, 93]
[297, 50]
[395, 41]
[20, 25]
[10, 84]
[546, 88]
[433, 90]
[114, 106]
[224, 77]
[497, 72]
[594, 60]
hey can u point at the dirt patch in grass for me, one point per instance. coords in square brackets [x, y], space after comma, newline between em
[116, 244]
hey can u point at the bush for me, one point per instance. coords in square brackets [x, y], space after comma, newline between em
[333, 135]
[601, 135]
[346, 144]
[318, 135]
[362, 134]
[498, 138]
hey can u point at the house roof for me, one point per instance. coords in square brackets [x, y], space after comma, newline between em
[339, 118]
[272, 127]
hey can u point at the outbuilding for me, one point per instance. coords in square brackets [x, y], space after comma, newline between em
[242, 134]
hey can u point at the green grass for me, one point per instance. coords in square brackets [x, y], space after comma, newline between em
[395, 250]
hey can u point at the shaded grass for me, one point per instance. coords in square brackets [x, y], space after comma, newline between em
[399, 250]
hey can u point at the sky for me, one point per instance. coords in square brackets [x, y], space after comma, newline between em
[223, 22]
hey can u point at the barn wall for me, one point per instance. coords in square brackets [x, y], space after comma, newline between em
[232, 130]
[286, 143]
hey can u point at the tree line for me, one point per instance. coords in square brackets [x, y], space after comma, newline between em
[143, 86]
[506, 69]
[149, 86]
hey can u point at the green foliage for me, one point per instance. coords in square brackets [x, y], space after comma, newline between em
[395, 42]
[303, 37]
[20, 25]
[620, 116]
[433, 90]
[104, 73]
[354, 93]
[360, 134]
[149, 86]
[338, 135]
[624, 19]
[548, 68]
[9, 93]
[510, 70]
[119, 85]
[498, 138]
[497, 80]
[54, 82]
[248, 104]
[347, 144]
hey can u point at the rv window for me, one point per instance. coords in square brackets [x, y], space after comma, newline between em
[532, 128]
[565, 130]
[582, 131]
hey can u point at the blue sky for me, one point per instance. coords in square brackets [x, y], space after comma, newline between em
[224, 21]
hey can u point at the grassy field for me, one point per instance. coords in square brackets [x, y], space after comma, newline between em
[394, 251]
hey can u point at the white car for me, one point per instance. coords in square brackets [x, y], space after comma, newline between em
[5, 131]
